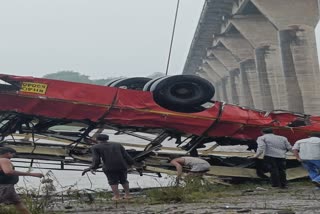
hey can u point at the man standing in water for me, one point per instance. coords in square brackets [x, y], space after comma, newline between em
[9, 177]
[115, 161]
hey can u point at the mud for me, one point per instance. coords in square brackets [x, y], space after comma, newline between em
[259, 200]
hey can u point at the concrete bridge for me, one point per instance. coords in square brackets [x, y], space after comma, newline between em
[259, 53]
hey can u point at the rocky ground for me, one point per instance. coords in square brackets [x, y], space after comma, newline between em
[299, 198]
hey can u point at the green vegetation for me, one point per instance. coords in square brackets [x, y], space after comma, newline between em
[194, 189]
[4, 209]
[77, 77]
[41, 200]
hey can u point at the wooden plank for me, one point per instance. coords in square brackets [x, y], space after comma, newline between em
[292, 173]
[173, 172]
[239, 172]
[161, 170]
[40, 150]
[297, 172]
[206, 152]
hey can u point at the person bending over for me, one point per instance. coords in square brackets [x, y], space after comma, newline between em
[197, 166]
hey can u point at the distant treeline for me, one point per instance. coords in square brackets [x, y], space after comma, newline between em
[77, 77]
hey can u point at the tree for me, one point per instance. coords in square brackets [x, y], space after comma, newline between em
[69, 76]
[73, 76]
[156, 75]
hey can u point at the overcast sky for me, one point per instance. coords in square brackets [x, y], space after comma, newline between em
[98, 38]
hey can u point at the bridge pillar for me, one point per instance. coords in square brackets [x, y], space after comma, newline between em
[204, 74]
[235, 85]
[231, 65]
[218, 68]
[249, 88]
[225, 93]
[207, 72]
[296, 21]
[242, 51]
[218, 87]
[212, 75]
[262, 35]
[268, 92]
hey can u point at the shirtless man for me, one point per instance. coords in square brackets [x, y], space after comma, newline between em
[9, 177]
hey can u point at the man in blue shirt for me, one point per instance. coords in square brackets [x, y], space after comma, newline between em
[307, 151]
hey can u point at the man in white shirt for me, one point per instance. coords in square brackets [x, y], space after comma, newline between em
[274, 147]
[307, 151]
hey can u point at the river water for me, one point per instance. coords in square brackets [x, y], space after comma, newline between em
[72, 179]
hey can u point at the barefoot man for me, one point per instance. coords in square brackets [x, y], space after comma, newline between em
[115, 165]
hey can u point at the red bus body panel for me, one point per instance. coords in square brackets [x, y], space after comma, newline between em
[79, 101]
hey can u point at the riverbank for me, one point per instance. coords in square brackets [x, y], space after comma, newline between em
[300, 197]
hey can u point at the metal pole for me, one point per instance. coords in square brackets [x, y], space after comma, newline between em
[172, 36]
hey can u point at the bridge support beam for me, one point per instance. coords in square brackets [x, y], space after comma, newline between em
[202, 73]
[231, 65]
[235, 85]
[218, 68]
[267, 57]
[242, 52]
[295, 21]
[218, 95]
[212, 75]
[250, 91]
[225, 92]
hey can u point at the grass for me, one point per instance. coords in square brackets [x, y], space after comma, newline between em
[197, 190]
[192, 190]
[5, 209]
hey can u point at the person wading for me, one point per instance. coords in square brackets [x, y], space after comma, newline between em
[9, 177]
[115, 163]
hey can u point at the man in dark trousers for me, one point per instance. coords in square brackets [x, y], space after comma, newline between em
[274, 148]
[9, 177]
[115, 162]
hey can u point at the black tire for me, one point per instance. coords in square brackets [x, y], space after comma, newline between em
[134, 83]
[112, 81]
[148, 85]
[182, 93]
